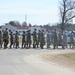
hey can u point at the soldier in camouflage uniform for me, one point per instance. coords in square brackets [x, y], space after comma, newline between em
[28, 39]
[51, 37]
[48, 39]
[72, 40]
[34, 38]
[55, 39]
[11, 39]
[59, 38]
[17, 39]
[64, 40]
[5, 38]
[1, 40]
[42, 39]
[38, 38]
[23, 40]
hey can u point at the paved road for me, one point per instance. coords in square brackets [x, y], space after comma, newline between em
[27, 62]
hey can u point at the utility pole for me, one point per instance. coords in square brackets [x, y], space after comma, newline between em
[26, 18]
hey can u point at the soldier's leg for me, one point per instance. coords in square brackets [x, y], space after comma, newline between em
[63, 46]
[54, 45]
[57, 44]
[73, 44]
[11, 43]
[1, 43]
[47, 44]
[22, 43]
[41, 44]
[33, 43]
[27, 44]
[70, 44]
[37, 43]
[16, 44]
[5, 44]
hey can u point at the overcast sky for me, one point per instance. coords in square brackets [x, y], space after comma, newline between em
[37, 11]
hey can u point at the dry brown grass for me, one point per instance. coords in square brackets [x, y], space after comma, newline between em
[64, 59]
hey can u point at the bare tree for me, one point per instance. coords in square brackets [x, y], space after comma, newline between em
[67, 12]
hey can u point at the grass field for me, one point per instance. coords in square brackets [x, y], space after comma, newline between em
[64, 59]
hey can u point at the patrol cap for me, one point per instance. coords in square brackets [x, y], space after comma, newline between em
[23, 31]
[35, 29]
[6, 28]
[39, 30]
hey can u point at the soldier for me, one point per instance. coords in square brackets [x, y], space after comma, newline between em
[23, 40]
[17, 39]
[42, 39]
[38, 38]
[71, 39]
[51, 37]
[11, 39]
[48, 39]
[64, 40]
[1, 40]
[34, 38]
[55, 39]
[5, 38]
[28, 39]
[59, 37]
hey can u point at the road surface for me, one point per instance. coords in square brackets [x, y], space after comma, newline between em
[28, 62]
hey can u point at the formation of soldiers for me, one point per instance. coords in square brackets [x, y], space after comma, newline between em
[36, 40]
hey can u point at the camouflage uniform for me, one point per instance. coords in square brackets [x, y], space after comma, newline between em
[17, 40]
[52, 37]
[34, 38]
[28, 39]
[38, 38]
[23, 40]
[72, 40]
[48, 39]
[42, 39]
[11, 39]
[59, 38]
[5, 38]
[55, 39]
[64, 40]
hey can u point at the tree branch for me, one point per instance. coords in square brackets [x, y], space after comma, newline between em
[69, 9]
[69, 19]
